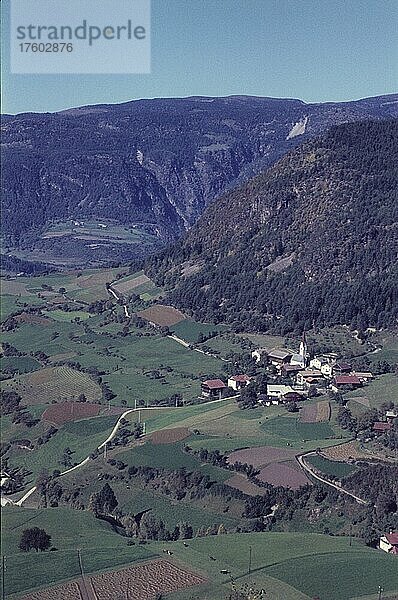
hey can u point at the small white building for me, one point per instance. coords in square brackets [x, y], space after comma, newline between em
[322, 364]
[258, 354]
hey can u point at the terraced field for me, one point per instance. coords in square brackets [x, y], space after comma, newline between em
[54, 384]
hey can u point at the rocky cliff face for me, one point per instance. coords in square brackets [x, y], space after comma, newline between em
[151, 163]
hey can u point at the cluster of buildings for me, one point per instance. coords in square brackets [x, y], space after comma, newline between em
[302, 373]
[324, 371]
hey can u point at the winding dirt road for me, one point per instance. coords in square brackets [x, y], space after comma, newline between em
[106, 441]
[304, 465]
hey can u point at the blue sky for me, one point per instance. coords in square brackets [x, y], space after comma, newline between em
[315, 50]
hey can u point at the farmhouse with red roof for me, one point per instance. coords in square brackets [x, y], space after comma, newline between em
[389, 542]
[381, 427]
[345, 382]
[213, 388]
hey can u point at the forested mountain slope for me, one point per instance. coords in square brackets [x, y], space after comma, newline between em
[151, 163]
[312, 239]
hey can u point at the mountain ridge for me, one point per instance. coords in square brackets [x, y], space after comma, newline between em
[312, 239]
[155, 163]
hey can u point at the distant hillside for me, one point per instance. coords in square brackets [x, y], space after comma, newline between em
[312, 239]
[149, 164]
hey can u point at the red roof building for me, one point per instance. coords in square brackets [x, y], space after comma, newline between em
[382, 427]
[347, 380]
[213, 388]
[389, 542]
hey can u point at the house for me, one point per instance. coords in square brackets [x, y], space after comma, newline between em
[278, 357]
[309, 377]
[363, 376]
[237, 382]
[277, 392]
[341, 367]
[213, 388]
[389, 542]
[292, 397]
[391, 415]
[260, 353]
[381, 427]
[322, 364]
[291, 370]
[345, 382]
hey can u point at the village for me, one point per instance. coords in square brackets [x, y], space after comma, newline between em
[293, 377]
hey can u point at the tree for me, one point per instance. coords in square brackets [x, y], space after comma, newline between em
[35, 538]
[107, 499]
[291, 407]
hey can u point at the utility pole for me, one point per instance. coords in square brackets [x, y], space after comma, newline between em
[250, 559]
[135, 404]
[3, 577]
[144, 428]
[139, 416]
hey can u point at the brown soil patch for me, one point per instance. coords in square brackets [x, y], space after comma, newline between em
[308, 413]
[344, 452]
[144, 581]
[69, 591]
[315, 413]
[261, 456]
[32, 319]
[69, 411]
[240, 482]
[164, 316]
[286, 474]
[323, 411]
[169, 436]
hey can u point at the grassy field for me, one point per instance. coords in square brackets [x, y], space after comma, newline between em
[382, 389]
[308, 565]
[288, 566]
[139, 284]
[19, 364]
[82, 437]
[62, 315]
[330, 467]
[170, 456]
[389, 350]
[69, 530]
[54, 383]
